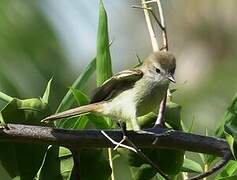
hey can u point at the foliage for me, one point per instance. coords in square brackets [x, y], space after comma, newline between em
[37, 161]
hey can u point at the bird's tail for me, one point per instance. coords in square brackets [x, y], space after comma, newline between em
[95, 107]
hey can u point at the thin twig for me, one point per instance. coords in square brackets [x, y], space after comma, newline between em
[111, 163]
[206, 167]
[162, 20]
[160, 117]
[152, 34]
[160, 122]
[152, 13]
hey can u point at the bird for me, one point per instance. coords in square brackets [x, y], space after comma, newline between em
[130, 93]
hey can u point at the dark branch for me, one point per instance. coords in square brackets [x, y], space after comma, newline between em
[95, 139]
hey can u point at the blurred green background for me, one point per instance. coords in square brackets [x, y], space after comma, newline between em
[51, 38]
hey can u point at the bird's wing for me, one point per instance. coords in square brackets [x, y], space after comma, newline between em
[116, 84]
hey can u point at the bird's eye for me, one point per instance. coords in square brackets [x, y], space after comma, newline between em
[158, 70]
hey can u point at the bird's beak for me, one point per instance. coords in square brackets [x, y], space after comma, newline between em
[171, 78]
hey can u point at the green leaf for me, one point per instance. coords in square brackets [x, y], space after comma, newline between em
[173, 115]
[5, 97]
[230, 117]
[23, 159]
[28, 111]
[144, 172]
[139, 61]
[103, 58]
[69, 98]
[66, 163]
[234, 177]
[190, 129]
[79, 83]
[82, 99]
[58, 164]
[202, 157]
[228, 170]
[99, 121]
[230, 140]
[94, 165]
[45, 97]
[191, 166]
[228, 126]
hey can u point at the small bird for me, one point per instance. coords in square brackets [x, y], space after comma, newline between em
[130, 93]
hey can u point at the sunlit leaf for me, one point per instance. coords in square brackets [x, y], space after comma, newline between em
[45, 97]
[103, 58]
[234, 177]
[228, 126]
[228, 170]
[191, 166]
[82, 99]
[230, 140]
[5, 97]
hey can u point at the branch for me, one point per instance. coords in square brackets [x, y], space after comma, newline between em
[95, 139]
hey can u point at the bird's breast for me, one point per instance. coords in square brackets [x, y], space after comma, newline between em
[149, 96]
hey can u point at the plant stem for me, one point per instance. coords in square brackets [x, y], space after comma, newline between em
[111, 163]
[162, 21]
[5, 97]
[154, 42]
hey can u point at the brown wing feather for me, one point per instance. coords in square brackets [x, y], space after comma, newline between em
[116, 84]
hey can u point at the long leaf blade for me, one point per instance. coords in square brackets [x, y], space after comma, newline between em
[79, 83]
[103, 58]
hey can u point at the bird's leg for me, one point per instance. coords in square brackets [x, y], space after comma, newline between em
[124, 131]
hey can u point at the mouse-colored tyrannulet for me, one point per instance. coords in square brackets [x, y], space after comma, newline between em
[130, 93]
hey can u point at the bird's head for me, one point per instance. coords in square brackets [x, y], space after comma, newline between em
[160, 66]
